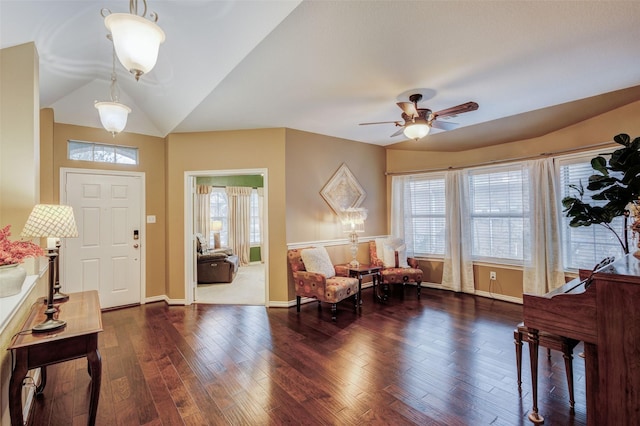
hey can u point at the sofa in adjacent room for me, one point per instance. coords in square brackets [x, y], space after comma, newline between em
[215, 265]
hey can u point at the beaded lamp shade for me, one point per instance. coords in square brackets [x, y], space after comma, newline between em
[50, 220]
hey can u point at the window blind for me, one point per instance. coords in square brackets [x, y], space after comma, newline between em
[499, 211]
[426, 198]
[585, 246]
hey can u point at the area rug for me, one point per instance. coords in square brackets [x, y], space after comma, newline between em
[247, 288]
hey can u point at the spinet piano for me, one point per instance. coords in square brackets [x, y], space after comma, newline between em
[606, 317]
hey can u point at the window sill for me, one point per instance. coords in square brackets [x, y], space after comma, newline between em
[10, 305]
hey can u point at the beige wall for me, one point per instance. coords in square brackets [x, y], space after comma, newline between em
[594, 131]
[232, 150]
[19, 176]
[152, 159]
[19, 135]
[311, 161]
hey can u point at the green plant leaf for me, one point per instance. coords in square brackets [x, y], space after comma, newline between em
[600, 164]
[622, 139]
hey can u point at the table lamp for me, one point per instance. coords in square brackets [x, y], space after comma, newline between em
[216, 226]
[353, 223]
[52, 221]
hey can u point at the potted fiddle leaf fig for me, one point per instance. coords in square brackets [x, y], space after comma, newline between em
[617, 181]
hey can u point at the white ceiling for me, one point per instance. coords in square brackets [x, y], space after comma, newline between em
[326, 66]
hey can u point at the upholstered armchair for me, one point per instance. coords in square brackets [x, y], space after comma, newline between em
[319, 279]
[396, 267]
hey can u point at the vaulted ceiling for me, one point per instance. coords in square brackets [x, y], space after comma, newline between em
[326, 66]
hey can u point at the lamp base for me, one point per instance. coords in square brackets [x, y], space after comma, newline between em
[49, 325]
[60, 297]
[354, 264]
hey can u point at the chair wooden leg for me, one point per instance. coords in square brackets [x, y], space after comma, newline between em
[334, 311]
[517, 338]
[419, 284]
[319, 305]
[357, 305]
[298, 303]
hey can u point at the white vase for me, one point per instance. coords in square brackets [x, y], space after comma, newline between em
[11, 279]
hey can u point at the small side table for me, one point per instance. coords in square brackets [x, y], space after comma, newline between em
[79, 338]
[365, 270]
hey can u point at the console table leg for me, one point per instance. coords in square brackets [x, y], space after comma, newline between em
[43, 381]
[15, 388]
[95, 367]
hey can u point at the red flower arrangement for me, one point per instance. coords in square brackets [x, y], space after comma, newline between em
[16, 251]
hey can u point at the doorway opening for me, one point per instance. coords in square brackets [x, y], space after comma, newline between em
[250, 284]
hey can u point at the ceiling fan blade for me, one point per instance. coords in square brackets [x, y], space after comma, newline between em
[458, 109]
[443, 125]
[398, 132]
[408, 108]
[397, 123]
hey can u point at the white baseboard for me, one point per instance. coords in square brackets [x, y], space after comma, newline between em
[499, 296]
[292, 303]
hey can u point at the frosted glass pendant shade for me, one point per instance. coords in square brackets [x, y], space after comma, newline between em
[416, 131]
[113, 116]
[136, 40]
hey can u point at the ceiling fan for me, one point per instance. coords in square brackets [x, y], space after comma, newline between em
[418, 121]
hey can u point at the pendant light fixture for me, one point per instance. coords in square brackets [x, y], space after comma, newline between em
[113, 115]
[136, 39]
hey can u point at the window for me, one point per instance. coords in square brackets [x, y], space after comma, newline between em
[219, 210]
[584, 246]
[499, 211]
[426, 198]
[89, 151]
[254, 230]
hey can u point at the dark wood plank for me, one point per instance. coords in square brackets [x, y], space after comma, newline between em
[444, 359]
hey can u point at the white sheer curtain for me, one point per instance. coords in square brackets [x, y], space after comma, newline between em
[262, 224]
[543, 266]
[239, 199]
[400, 203]
[457, 274]
[203, 211]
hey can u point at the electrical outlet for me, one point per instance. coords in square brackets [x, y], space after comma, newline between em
[492, 275]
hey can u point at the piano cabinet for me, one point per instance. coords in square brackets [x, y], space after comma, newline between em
[605, 315]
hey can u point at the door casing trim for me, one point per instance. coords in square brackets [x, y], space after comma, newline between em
[189, 252]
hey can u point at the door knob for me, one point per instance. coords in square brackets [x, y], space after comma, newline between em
[135, 246]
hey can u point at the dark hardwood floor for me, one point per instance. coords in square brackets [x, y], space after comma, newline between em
[446, 359]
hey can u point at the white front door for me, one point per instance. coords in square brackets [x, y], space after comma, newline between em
[107, 254]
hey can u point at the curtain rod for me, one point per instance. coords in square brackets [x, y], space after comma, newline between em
[508, 160]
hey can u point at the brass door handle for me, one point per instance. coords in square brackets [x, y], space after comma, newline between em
[136, 246]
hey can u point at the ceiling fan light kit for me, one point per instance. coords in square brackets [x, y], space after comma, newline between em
[136, 39]
[416, 131]
[419, 121]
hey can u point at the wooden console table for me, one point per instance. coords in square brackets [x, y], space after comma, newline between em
[79, 338]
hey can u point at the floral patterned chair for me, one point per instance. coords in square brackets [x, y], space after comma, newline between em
[319, 279]
[396, 268]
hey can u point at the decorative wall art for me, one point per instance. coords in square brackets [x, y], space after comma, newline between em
[343, 191]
